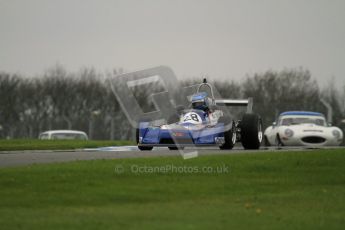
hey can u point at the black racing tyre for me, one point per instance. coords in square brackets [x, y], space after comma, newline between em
[251, 131]
[176, 148]
[266, 142]
[142, 148]
[229, 135]
[145, 148]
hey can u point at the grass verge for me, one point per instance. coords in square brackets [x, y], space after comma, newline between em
[275, 190]
[32, 144]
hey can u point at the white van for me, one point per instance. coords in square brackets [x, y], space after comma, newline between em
[63, 135]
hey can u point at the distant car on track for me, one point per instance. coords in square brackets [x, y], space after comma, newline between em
[301, 128]
[63, 135]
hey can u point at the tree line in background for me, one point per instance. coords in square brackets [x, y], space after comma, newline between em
[84, 101]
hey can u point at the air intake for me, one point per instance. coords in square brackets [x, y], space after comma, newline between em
[313, 140]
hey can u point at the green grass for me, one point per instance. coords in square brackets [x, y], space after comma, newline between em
[32, 144]
[273, 190]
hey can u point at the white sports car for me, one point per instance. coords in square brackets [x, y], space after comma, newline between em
[299, 128]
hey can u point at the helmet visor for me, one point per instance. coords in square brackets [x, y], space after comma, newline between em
[198, 104]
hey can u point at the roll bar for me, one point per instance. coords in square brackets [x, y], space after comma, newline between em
[228, 102]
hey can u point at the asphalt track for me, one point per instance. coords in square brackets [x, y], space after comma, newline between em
[30, 157]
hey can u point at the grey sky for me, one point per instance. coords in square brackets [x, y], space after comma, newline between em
[223, 39]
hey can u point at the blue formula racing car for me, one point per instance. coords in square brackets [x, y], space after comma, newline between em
[203, 123]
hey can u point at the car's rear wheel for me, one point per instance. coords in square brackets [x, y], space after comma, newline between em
[229, 133]
[251, 131]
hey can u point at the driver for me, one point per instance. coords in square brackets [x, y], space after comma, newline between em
[200, 101]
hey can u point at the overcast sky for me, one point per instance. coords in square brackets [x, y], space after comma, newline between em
[221, 39]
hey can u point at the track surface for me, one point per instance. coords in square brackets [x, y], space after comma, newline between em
[18, 158]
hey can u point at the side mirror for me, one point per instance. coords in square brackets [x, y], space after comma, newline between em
[329, 124]
[274, 123]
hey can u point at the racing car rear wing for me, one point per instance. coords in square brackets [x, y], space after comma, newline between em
[233, 102]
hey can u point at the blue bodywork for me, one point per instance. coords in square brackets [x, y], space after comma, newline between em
[301, 113]
[155, 136]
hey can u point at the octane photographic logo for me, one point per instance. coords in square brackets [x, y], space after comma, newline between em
[119, 169]
[166, 102]
[172, 169]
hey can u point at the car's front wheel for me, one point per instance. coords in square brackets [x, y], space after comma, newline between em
[176, 148]
[145, 148]
[251, 131]
[229, 133]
